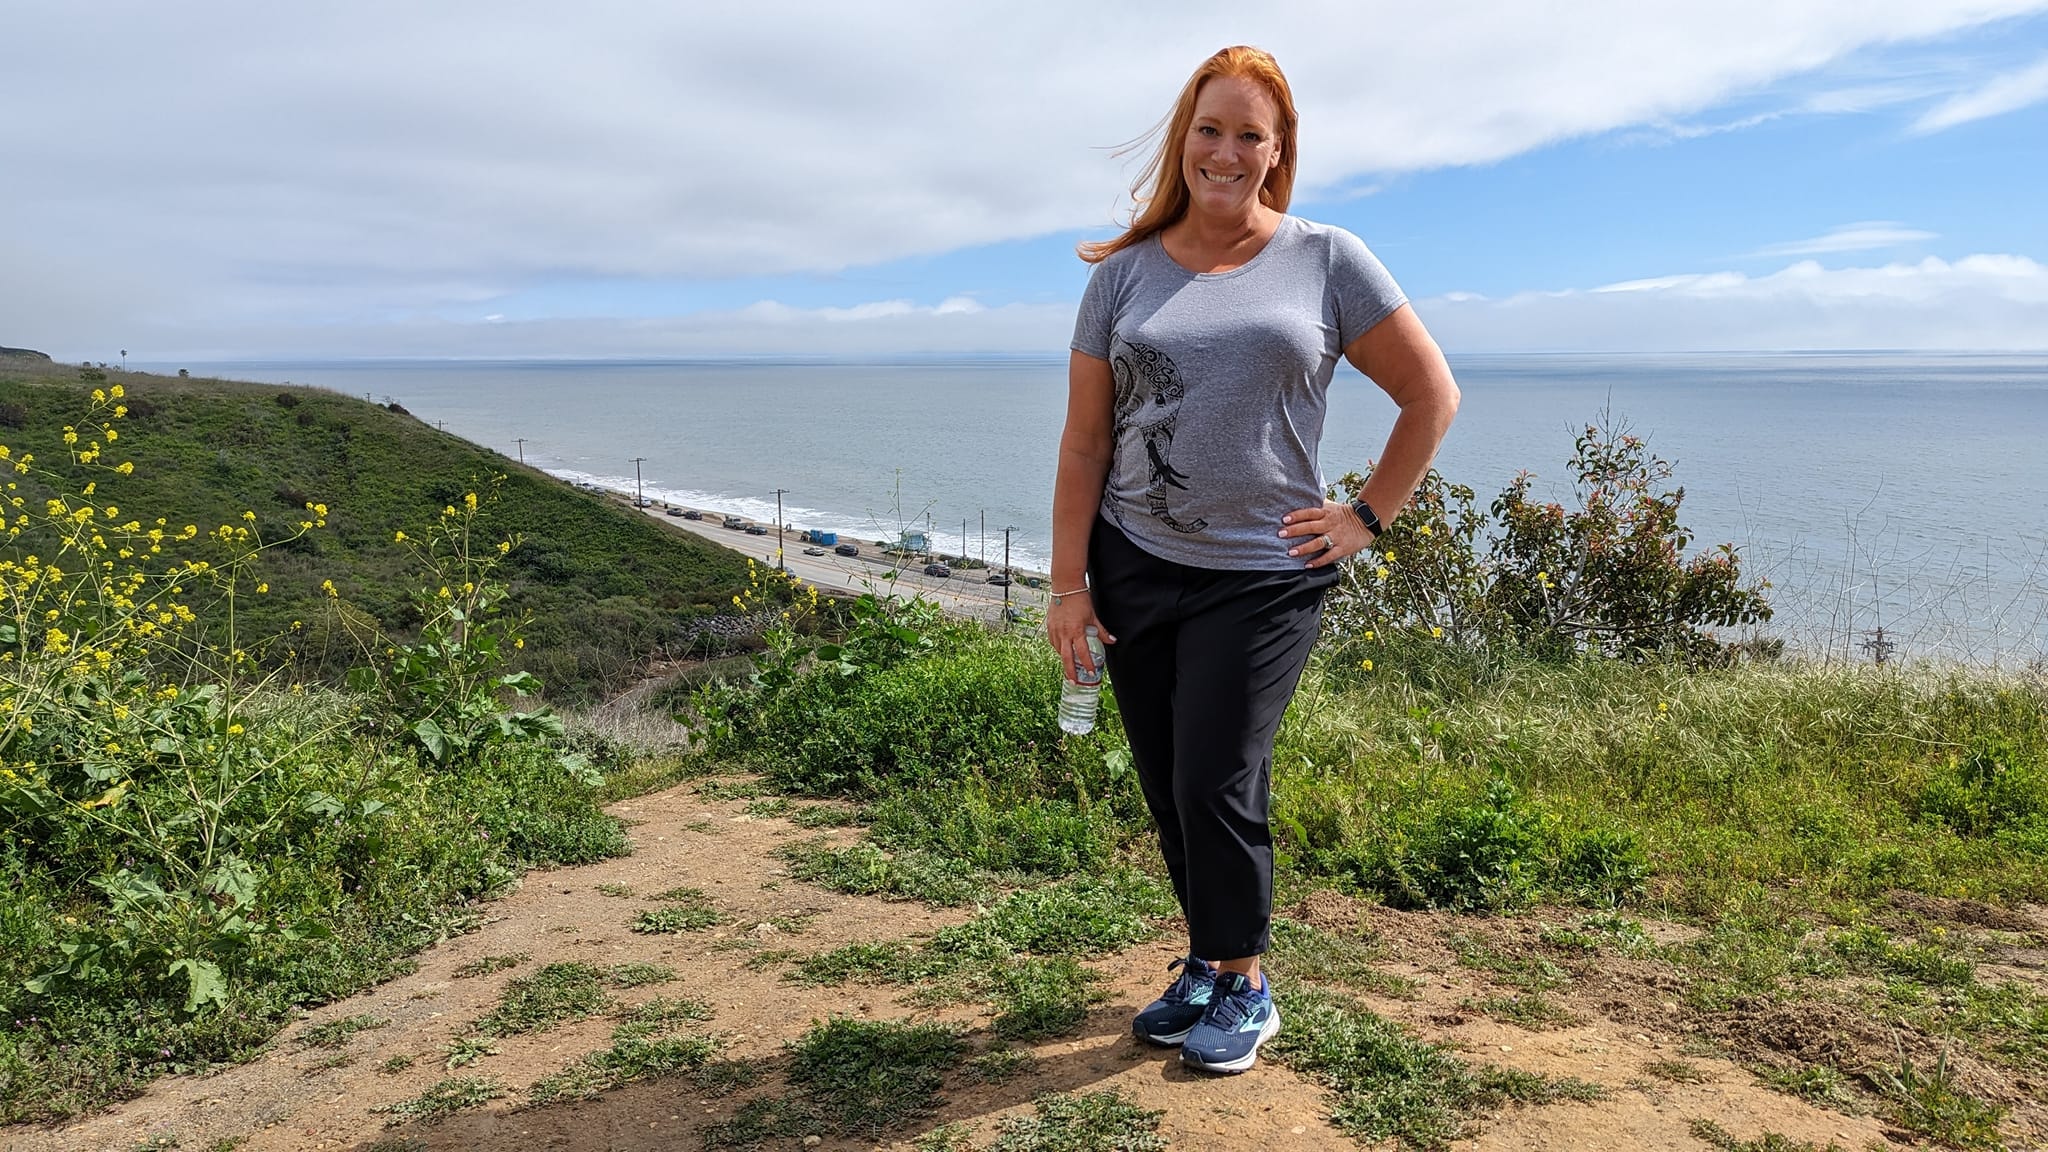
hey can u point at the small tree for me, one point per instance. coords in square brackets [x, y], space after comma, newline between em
[1607, 577]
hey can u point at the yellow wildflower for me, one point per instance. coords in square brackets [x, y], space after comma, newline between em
[117, 392]
[1366, 665]
[469, 501]
[1436, 633]
[327, 586]
[398, 538]
[234, 729]
[262, 588]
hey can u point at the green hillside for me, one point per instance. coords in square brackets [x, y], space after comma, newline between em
[606, 588]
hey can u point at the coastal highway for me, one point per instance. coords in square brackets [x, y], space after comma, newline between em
[964, 593]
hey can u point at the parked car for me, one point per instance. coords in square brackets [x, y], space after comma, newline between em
[847, 550]
[735, 522]
[756, 530]
[814, 551]
[675, 511]
[643, 502]
[999, 580]
[939, 570]
[692, 514]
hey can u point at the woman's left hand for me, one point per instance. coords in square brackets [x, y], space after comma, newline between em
[1334, 532]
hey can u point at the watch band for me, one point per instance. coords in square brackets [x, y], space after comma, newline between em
[1365, 514]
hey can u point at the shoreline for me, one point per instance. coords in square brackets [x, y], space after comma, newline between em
[965, 592]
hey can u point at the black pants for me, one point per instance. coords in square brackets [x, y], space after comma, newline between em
[1203, 667]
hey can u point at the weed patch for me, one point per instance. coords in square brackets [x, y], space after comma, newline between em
[1388, 1085]
[1931, 1104]
[868, 1076]
[336, 1033]
[1091, 1122]
[1531, 1010]
[649, 1043]
[443, 1099]
[1718, 1137]
[551, 996]
[683, 910]
[489, 964]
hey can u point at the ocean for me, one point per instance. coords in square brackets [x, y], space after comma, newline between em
[1888, 490]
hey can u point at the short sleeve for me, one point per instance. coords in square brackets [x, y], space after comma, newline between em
[1096, 321]
[1363, 290]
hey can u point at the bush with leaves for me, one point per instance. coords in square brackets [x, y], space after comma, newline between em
[190, 845]
[446, 688]
[1607, 577]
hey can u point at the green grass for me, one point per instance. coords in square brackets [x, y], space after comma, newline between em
[1302, 952]
[1931, 1103]
[635, 975]
[864, 869]
[1385, 1084]
[1086, 1122]
[444, 1098]
[603, 583]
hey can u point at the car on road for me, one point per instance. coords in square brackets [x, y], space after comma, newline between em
[756, 530]
[938, 570]
[643, 502]
[734, 522]
[675, 511]
[999, 580]
[692, 514]
[847, 550]
[814, 551]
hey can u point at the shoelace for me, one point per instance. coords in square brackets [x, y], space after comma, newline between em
[1183, 989]
[1228, 1010]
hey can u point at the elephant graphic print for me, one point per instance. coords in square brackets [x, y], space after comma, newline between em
[1149, 392]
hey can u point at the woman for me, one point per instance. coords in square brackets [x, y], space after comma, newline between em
[1189, 497]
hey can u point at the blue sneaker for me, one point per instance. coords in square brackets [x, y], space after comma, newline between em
[1166, 1021]
[1239, 1019]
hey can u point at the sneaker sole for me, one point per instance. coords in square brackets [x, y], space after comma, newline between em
[1267, 1031]
[1162, 1039]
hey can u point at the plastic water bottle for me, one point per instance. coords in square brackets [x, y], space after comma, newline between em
[1080, 696]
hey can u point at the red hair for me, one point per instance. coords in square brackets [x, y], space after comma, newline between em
[1167, 199]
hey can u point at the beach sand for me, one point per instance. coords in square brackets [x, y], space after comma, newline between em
[966, 592]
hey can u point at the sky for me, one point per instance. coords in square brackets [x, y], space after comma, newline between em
[216, 181]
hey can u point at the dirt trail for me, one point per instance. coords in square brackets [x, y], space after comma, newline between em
[299, 1098]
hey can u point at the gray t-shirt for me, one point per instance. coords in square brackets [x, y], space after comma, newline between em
[1221, 381]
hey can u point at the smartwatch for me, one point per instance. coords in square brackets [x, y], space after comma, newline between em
[1365, 514]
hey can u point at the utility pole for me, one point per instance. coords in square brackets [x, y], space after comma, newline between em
[1007, 529]
[984, 538]
[930, 537]
[638, 499]
[521, 441]
[778, 529]
[963, 541]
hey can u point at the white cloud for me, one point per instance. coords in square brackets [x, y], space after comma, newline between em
[1850, 238]
[242, 165]
[1978, 302]
[2007, 93]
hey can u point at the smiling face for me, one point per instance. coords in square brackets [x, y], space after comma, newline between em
[1230, 146]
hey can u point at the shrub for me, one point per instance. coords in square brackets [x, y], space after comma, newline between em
[1608, 577]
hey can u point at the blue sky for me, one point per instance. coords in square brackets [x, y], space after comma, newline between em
[906, 178]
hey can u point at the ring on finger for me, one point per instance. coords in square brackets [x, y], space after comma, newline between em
[1327, 542]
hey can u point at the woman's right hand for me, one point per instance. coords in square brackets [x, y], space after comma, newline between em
[1065, 626]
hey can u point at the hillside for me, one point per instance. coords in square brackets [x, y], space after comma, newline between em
[606, 589]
